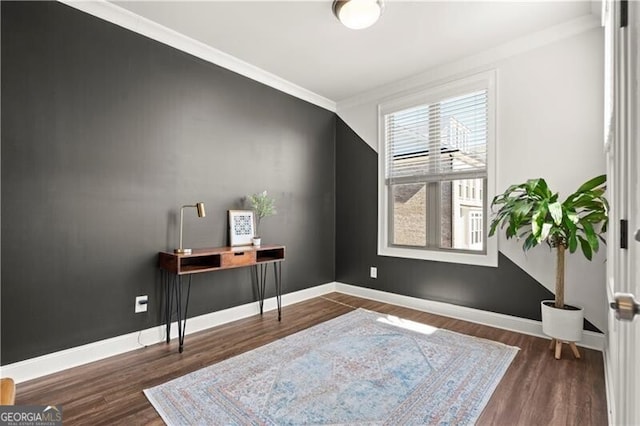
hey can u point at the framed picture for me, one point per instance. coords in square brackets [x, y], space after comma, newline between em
[241, 227]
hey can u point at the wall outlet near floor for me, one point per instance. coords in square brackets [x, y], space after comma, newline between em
[141, 304]
[374, 272]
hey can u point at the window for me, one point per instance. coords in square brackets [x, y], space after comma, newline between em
[475, 229]
[436, 173]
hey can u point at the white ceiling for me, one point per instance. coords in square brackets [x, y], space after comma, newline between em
[303, 43]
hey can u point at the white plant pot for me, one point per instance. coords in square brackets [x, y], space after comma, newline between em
[256, 241]
[562, 324]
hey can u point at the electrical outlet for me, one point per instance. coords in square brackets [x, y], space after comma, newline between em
[374, 272]
[141, 304]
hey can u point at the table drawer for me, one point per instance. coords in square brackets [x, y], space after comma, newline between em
[238, 258]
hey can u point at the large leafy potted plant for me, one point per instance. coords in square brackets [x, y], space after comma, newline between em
[531, 211]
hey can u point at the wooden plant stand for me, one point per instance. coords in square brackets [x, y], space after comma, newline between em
[7, 391]
[557, 344]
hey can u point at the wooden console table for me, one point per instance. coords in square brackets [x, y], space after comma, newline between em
[176, 266]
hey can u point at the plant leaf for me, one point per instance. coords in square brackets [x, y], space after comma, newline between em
[592, 183]
[586, 248]
[544, 233]
[589, 232]
[556, 212]
[573, 242]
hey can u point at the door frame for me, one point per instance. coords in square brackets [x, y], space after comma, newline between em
[633, 409]
[621, 125]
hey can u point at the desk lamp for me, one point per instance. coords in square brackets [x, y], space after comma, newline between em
[200, 208]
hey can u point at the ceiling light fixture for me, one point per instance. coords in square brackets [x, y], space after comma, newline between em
[357, 14]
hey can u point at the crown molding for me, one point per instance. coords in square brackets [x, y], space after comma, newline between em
[126, 19]
[478, 62]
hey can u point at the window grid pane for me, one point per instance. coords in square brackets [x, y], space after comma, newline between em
[464, 207]
[438, 149]
[409, 218]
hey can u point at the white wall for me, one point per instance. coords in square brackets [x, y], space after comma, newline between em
[549, 124]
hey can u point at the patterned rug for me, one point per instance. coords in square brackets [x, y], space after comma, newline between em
[360, 368]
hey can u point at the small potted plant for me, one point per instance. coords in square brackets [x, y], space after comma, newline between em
[532, 211]
[263, 206]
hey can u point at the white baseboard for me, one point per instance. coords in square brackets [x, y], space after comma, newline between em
[51, 363]
[73, 357]
[506, 322]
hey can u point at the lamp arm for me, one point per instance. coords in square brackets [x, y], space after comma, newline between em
[181, 221]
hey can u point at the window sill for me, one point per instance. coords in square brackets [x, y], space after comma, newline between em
[488, 259]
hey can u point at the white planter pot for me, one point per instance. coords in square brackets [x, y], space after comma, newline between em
[256, 241]
[562, 324]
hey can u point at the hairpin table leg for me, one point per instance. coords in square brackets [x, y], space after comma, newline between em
[169, 283]
[277, 271]
[182, 320]
[261, 281]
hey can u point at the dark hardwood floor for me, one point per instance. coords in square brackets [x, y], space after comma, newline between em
[536, 390]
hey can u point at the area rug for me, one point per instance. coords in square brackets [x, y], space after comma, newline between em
[360, 368]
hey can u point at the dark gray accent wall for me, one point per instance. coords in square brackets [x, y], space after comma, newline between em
[105, 134]
[506, 289]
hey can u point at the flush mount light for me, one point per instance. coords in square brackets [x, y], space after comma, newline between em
[357, 14]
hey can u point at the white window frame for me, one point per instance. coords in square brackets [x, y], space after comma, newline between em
[485, 80]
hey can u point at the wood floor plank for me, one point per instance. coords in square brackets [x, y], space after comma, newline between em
[536, 389]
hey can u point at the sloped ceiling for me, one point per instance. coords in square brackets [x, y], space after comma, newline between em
[303, 43]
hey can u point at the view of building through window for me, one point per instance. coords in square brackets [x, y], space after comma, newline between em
[466, 215]
[410, 215]
[436, 173]
[461, 217]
